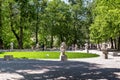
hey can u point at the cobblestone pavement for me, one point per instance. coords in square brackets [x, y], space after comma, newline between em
[73, 69]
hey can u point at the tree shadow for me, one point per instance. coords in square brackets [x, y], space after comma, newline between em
[57, 70]
[2, 52]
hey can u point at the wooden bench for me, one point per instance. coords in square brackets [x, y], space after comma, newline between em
[8, 57]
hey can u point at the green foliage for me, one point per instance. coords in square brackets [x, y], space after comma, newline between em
[106, 20]
[27, 22]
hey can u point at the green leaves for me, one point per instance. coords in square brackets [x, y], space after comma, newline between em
[54, 21]
[106, 19]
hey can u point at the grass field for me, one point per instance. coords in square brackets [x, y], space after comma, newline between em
[46, 55]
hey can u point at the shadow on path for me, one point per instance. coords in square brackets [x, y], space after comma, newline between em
[56, 70]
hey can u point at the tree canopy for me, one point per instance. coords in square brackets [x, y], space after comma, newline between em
[50, 22]
[106, 25]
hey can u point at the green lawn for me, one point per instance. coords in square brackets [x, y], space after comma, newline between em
[46, 55]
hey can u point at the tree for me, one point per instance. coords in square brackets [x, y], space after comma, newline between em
[57, 18]
[106, 17]
[1, 40]
[19, 19]
[78, 21]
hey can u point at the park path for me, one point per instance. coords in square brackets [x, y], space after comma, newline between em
[111, 62]
[73, 69]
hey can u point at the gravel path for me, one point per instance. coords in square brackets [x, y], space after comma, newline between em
[73, 69]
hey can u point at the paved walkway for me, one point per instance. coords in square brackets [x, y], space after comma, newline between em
[73, 69]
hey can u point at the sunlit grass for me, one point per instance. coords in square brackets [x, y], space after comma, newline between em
[47, 55]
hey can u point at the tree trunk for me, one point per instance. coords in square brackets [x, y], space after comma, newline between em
[51, 43]
[119, 43]
[111, 40]
[37, 19]
[21, 27]
[98, 46]
[61, 38]
[115, 44]
[1, 41]
[36, 34]
[1, 44]
[12, 28]
[75, 36]
[21, 38]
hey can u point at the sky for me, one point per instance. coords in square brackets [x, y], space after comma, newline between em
[66, 1]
